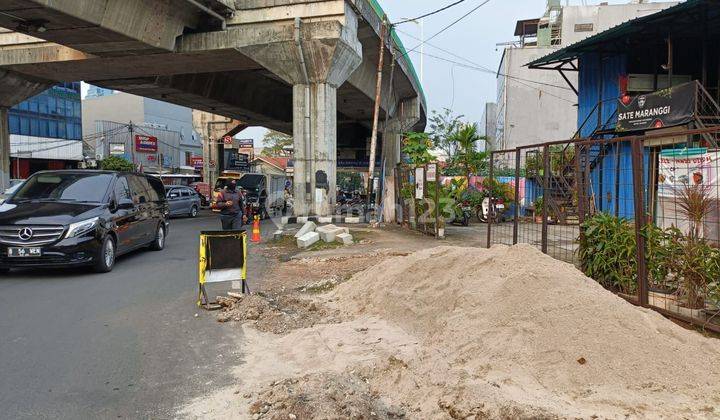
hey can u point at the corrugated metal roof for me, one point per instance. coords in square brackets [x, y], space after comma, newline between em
[631, 27]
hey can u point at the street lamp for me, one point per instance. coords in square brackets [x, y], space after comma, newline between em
[421, 24]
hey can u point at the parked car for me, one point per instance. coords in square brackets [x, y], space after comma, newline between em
[183, 201]
[81, 218]
[10, 191]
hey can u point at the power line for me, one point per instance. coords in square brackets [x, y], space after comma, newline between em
[429, 14]
[447, 27]
[476, 65]
[482, 70]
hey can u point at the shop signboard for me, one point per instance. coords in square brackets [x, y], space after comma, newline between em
[146, 143]
[197, 161]
[419, 184]
[117, 149]
[663, 108]
[678, 170]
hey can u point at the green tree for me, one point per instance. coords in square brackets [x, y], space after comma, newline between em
[116, 163]
[276, 144]
[467, 157]
[417, 148]
[442, 127]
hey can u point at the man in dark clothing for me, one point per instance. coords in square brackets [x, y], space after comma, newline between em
[231, 204]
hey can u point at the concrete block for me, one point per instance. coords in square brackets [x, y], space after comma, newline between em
[307, 227]
[278, 235]
[352, 220]
[328, 232]
[302, 220]
[328, 219]
[344, 238]
[284, 220]
[307, 239]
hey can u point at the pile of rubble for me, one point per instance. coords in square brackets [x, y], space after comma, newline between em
[310, 233]
[324, 395]
[277, 315]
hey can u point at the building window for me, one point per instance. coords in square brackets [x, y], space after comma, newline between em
[24, 126]
[61, 130]
[43, 104]
[43, 123]
[14, 124]
[52, 128]
[34, 127]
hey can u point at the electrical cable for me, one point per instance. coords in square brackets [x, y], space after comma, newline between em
[456, 21]
[429, 14]
[479, 66]
[518, 80]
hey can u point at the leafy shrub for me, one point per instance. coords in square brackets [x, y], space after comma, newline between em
[115, 163]
[607, 252]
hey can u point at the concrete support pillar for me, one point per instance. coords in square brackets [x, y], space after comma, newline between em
[392, 141]
[5, 174]
[315, 148]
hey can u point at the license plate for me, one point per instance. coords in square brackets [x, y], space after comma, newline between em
[501, 206]
[24, 252]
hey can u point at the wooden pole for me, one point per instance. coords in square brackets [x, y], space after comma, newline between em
[376, 112]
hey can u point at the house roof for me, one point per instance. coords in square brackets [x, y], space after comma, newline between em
[278, 162]
[681, 19]
[526, 27]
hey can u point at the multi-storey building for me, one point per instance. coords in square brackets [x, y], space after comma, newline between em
[46, 131]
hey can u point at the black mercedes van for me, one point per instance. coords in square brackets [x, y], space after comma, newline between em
[81, 218]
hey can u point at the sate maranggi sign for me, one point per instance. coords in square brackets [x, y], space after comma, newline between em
[664, 108]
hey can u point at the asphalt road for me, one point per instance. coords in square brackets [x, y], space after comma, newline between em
[126, 344]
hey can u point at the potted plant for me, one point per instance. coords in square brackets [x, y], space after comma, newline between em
[538, 209]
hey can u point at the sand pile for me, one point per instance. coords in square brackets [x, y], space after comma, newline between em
[512, 333]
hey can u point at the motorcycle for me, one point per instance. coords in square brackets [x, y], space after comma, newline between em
[464, 212]
[491, 207]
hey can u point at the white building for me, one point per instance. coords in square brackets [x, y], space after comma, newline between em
[536, 106]
[171, 124]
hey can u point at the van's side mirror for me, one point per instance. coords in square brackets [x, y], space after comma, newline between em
[125, 204]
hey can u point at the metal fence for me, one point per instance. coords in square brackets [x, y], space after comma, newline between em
[418, 197]
[639, 214]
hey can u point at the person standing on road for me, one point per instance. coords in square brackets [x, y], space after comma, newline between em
[230, 202]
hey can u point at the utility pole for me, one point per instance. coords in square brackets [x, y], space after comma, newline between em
[376, 112]
[5, 174]
[132, 143]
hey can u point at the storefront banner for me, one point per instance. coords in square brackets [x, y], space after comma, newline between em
[663, 108]
[146, 143]
[679, 169]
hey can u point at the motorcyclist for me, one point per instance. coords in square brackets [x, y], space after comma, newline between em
[231, 203]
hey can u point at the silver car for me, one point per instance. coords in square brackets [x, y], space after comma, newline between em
[183, 201]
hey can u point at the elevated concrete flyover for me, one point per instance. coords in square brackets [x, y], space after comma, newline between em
[301, 67]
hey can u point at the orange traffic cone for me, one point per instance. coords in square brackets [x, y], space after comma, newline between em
[256, 230]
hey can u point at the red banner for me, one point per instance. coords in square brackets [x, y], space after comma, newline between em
[197, 161]
[146, 143]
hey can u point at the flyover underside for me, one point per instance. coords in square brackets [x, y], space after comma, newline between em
[298, 67]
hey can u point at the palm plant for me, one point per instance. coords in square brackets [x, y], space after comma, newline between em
[468, 157]
[695, 203]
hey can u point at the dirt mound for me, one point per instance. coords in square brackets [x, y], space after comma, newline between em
[323, 395]
[277, 315]
[511, 333]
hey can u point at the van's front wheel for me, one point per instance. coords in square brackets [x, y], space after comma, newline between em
[159, 243]
[105, 260]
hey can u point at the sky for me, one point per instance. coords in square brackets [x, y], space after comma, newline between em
[474, 38]
[447, 85]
